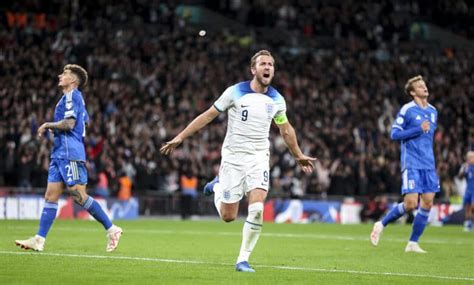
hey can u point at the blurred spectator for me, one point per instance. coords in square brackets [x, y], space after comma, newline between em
[102, 187]
[25, 169]
[374, 209]
[324, 170]
[125, 188]
[380, 20]
[188, 185]
[293, 190]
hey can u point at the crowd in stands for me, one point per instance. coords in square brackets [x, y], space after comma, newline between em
[389, 20]
[150, 74]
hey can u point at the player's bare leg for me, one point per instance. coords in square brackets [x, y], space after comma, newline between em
[229, 211]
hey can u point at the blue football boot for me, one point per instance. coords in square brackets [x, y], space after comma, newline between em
[209, 187]
[244, 267]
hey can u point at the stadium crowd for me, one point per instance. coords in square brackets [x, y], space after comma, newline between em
[389, 20]
[150, 73]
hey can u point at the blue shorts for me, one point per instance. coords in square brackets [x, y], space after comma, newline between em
[419, 181]
[468, 198]
[68, 171]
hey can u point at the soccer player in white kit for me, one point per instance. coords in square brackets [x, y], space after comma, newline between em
[251, 106]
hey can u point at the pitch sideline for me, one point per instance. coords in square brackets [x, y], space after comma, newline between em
[356, 272]
[267, 234]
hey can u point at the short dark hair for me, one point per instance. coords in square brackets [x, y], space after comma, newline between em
[80, 72]
[253, 61]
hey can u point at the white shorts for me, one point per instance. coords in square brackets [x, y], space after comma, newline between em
[242, 172]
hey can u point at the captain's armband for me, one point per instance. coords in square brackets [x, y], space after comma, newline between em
[280, 119]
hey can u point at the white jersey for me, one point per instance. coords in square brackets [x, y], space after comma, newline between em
[250, 116]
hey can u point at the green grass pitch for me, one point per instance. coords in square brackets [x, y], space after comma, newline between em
[204, 252]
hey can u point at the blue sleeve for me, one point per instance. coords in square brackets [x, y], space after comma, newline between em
[71, 109]
[400, 127]
[74, 107]
[398, 134]
[86, 116]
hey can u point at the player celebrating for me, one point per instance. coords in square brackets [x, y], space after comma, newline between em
[251, 106]
[414, 127]
[467, 170]
[68, 166]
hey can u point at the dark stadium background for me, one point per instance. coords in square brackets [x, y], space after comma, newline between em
[341, 66]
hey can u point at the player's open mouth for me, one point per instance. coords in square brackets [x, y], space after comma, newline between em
[266, 75]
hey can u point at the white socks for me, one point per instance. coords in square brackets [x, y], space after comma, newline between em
[251, 231]
[111, 229]
[40, 238]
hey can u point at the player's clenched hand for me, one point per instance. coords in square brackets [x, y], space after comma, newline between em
[169, 147]
[42, 129]
[306, 163]
[425, 126]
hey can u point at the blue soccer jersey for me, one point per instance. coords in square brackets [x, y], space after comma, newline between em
[416, 146]
[70, 144]
[469, 174]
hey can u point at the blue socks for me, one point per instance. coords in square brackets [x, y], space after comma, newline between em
[50, 209]
[395, 213]
[96, 211]
[419, 224]
[47, 218]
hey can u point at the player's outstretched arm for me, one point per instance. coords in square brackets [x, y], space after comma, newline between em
[198, 123]
[289, 136]
[63, 125]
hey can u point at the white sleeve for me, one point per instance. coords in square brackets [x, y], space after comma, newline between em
[281, 106]
[226, 100]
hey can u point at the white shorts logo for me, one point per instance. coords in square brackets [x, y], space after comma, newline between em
[411, 184]
[227, 195]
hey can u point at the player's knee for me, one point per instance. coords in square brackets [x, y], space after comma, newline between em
[255, 213]
[51, 197]
[77, 197]
[427, 204]
[411, 205]
[228, 217]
